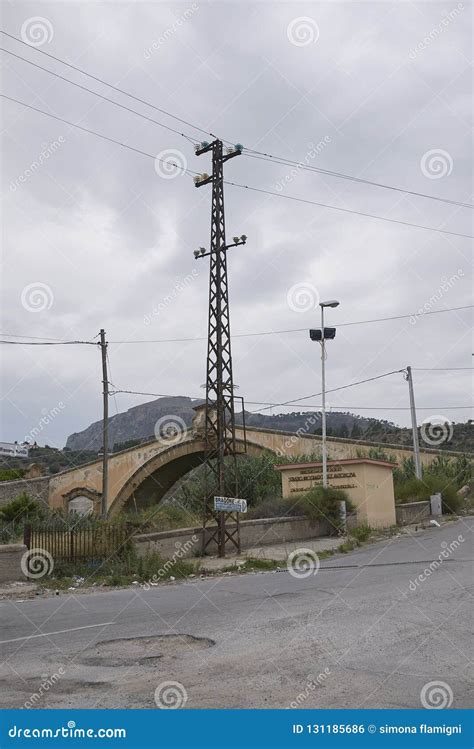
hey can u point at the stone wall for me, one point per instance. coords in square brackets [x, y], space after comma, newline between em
[412, 512]
[36, 488]
[10, 560]
[186, 542]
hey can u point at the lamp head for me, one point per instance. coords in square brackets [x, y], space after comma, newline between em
[330, 303]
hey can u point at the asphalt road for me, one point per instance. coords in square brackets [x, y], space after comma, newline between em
[355, 634]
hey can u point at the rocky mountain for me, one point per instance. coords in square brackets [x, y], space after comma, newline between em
[138, 423]
[142, 422]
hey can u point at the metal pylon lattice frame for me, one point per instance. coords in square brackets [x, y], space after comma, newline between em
[219, 437]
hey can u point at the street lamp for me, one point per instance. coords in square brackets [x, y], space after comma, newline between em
[321, 336]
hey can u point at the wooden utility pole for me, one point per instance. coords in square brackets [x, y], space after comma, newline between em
[105, 427]
[414, 426]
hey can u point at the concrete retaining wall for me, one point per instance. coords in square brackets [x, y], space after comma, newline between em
[263, 532]
[10, 559]
[412, 512]
[35, 488]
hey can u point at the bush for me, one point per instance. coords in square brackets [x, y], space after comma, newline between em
[418, 490]
[319, 504]
[21, 508]
[361, 532]
[269, 508]
[164, 517]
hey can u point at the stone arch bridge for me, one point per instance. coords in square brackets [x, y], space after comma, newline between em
[150, 469]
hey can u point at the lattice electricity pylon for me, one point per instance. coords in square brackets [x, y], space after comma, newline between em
[220, 415]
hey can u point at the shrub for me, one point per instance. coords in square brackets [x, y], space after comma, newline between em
[361, 532]
[21, 508]
[417, 490]
[320, 504]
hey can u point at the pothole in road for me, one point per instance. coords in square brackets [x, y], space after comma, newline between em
[143, 651]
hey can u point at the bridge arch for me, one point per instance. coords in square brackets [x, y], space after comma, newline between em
[162, 470]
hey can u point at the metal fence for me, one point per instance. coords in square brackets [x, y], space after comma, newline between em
[82, 543]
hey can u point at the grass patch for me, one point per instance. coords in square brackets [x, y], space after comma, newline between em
[118, 572]
[361, 533]
[348, 546]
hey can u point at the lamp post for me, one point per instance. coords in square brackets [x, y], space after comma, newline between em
[330, 303]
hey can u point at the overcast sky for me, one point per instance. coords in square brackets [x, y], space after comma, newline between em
[98, 236]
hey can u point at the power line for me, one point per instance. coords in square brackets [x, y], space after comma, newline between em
[308, 167]
[307, 405]
[334, 390]
[441, 369]
[297, 330]
[100, 80]
[50, 343]
[100, 135]
[346, 210]
[264, 332]
[249, 151]
[100, 96]
[236, 184]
